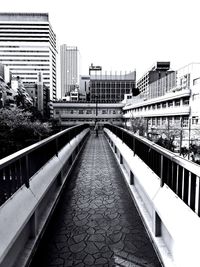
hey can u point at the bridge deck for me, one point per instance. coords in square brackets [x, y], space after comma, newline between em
[96, 222]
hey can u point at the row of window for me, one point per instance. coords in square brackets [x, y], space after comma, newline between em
[172, 120]
[88, 111]
[107, 91]
[24, 51]
[111, 85]
[166, 104]
[90, 120]
[25, 60]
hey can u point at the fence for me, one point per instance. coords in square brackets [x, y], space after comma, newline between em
[18, 168]
[179, 174]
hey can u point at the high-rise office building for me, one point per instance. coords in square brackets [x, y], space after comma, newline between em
[28, 46]
[69, 68]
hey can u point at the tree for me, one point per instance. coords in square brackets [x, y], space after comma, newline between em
[139, 125]
[18, 131]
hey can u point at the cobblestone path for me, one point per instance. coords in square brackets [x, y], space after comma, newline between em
[96, 222]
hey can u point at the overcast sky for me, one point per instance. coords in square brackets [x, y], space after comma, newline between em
[122, 34]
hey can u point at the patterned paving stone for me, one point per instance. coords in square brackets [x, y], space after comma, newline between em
[96, 222]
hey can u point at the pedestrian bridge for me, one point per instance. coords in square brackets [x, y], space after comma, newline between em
[75, 199]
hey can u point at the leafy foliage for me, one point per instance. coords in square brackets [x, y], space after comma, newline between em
[139, 125]
[18, 131]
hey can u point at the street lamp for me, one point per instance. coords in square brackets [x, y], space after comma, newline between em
[96, 97]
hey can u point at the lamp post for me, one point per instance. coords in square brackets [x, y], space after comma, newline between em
[96, 97]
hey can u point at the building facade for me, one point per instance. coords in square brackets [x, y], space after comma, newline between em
[28, 46]
[158, 71]
[72, 113]
[111, 87]
[84, 86]
[172, 106]
[68, 68]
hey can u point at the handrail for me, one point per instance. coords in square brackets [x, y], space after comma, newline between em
[16, 155]
[191, 166]
[180, 175]
[17, 168]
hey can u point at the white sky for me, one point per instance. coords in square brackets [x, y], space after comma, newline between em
[122, 34]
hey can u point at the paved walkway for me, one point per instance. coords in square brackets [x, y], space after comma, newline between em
[96, 222]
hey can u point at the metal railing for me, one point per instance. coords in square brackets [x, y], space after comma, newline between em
[17, 168]
[179, 174]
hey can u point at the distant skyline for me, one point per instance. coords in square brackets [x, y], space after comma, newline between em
[122, 34]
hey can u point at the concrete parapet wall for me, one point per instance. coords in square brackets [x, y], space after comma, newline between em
[24, 216]
[173, 227]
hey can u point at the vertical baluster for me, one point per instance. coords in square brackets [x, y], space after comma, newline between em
[13, 178]
[161, 171]
[7, 182]
[199, 197]
[2, 187]
[174, 177]
[180, 181]
[193, 191]
[27, 172]
[185, 186]
[17, 173]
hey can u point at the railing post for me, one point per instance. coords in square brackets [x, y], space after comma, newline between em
[121, 159]
[133, 145]
[56, 143]
[157, 225]
[34, 225]
[27, 172]
[161, 172]
[131, 178]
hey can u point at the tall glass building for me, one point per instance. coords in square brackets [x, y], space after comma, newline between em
[28, 47]
[68, 68]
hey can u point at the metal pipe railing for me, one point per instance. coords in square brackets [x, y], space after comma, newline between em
[17, 168]
[179, 174]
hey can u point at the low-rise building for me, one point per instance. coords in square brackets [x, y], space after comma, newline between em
[174, 106]
[72, 113]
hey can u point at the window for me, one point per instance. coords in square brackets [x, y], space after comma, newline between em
[170, 121]
[170, 104]
[185, 102]
[195, 120]
[196, 81]
[104, 111]
[185, 121]
[177, 103]
[177, 120]
[164, 119]
[81, 111]
[89, 111]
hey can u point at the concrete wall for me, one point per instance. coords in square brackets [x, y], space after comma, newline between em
[173, 227]
[25, 215]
